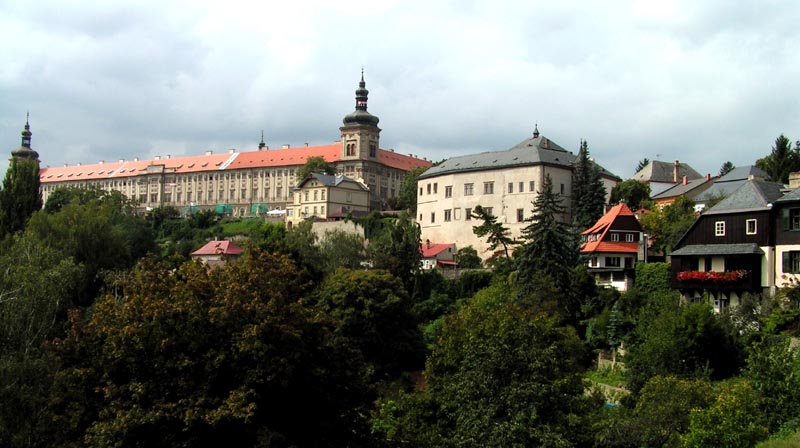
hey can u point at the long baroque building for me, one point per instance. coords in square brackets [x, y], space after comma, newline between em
[503, 182]
[245, 183]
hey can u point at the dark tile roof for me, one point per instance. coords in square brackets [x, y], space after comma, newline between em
[331, 181]
[728, 183]
[658, 171]
[791, 196]
[532, 151]
[681, 189]
[753, 195]
[718, 249]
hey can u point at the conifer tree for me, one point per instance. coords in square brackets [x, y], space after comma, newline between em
[549, 246]
[496, 233]
[588, 191]
[20, 196]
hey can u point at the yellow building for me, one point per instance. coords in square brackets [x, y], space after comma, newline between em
[328, 197]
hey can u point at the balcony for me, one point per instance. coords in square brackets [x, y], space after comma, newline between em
[713, 280]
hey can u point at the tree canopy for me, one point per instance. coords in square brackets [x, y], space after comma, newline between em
[588, 191]
[315, 164]
[496, 233]
[633, 193]
[782, 160]
[20, 196]
[407, 193]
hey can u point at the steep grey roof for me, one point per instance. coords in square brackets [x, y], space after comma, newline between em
[331, 181]
[533, 151]
[793, 195]
[681, 189]
[728, 183]
[658, 171]
[753, 195]
[718, 249]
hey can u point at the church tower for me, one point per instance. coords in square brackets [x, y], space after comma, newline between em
[24, 151]
[360, 132]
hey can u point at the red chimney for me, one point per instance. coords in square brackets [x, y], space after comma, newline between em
[685, 180]
[708, 176]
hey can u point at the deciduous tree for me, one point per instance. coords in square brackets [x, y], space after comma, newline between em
[633, 193]
[407, 193]
[315, 164]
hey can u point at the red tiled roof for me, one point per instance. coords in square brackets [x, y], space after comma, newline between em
[212, 162]
[433, 250]
[601, 227]
[218, 247]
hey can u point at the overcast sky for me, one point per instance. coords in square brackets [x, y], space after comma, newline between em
[699, 81]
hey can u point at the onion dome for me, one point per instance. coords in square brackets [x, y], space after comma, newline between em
[25, 151]
[360, 116]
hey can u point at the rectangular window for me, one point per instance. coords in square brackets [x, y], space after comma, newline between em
[429, 188]
[489, 210]
[562, 188]
[521, 187]
[593, 262]
[315, 210]
[433, 217]
[467, 214]
[435, 187]
[468, 189]
[323, 195]
[615, 237]
[315, 195]
[305, 196]
[751, 226]
[348, 197]
[488, 188]
[629, 237]
[532, 186]
[791, 262]
[511, 187]
[448, 215]
[448, 191]
[457, 214]
[420, 191]
[719, 228]
[322, 210]
[613, 262]
[520, 215]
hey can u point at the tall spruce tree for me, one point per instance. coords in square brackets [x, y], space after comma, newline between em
[549, 247]
[588, 191]
[20, 196]
[782, 160]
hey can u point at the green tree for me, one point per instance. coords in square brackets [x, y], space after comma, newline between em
[341, 249]
[190, 357]
[407, 193]
[782, 160]
[668, 225]
[633, 193]
[588, 191]
[502, 374]
[467, 258]
[642, 163]
[315, 164]
[395, 247]
[496, 234]
[549, 247]
[20, 196]
[373, 311]
[726, 168]
[773, 369]
[688, 341]
[733, 420]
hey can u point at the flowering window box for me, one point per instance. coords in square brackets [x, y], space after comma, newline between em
[713, 276]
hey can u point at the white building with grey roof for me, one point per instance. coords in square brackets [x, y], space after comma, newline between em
[504, 182]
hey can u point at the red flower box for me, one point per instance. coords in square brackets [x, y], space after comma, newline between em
[713, 276]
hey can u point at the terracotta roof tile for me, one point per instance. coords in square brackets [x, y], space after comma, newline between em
[433, 250]
[601, 226]
[219, 247]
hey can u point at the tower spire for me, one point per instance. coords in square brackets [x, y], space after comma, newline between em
[262, 144]
[24, 151]
[536, 130]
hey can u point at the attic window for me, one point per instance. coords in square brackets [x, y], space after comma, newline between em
[204, 165]
[179, 166]
[49, 176]
[101, 172]
[191, 165]
[60, 175]
[90, 173]
[110, 171]
[79, 173]
[69, 175]
[218, 164]
[122, 170]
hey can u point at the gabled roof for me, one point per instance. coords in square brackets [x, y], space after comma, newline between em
[218, 247]
[432, 250]
[533, 151]
[791, 196]
[682, 189]
[728, 183]
[658, 171]
[718, 249]
[331, 181]
[602, 227]
[753, 195]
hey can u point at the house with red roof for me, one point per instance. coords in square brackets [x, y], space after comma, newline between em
[437, 255]
[216, 253]
[611, 247]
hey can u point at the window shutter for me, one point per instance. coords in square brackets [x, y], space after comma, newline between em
[786, 262]
[785, 218]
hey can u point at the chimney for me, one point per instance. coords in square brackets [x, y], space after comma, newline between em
[232, 150]
[102, 162]
[675, 171]
[685, 180]
[708, 177]
[157, 158]
[428, 243]
[169, 156]
[79, 163]
[794, 180]
[306, 144]
[286, 146]
[121, 160]
[209, 152]
[135, 159]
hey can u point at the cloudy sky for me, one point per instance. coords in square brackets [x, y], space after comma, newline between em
[699, 81]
